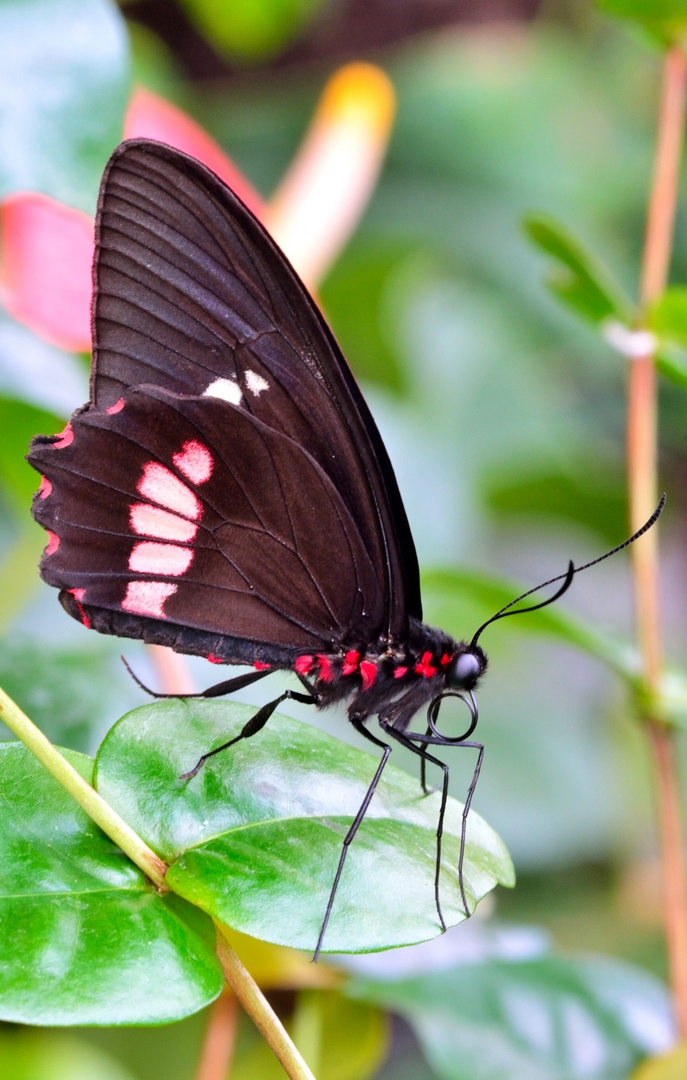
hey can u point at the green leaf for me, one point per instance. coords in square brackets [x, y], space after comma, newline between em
[84, 938]
[64, 82]
[579, 280]
[248, 30]
[255, 838]
[666, 20]
[544, 1019]
[19, 423]
[49, 1055]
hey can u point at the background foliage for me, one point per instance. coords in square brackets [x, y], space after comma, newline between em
[504, 417]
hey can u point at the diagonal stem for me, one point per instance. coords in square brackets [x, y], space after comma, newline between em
[642, 474]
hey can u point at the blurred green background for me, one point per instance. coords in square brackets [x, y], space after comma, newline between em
[502, 413]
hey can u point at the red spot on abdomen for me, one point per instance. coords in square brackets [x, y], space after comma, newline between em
[303, 665]
[259, 666]
[425, 666]
[350, 664]
[326, 673]
[400, 672]
[368, 672]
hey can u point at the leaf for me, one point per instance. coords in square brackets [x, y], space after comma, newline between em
[670, 1066]
[255, 838]
[84, 939]
[248, 30]
[19, 423]
[63, 88]
[666, 20]
[579, 280]
[49, 1055]
[544, 1019]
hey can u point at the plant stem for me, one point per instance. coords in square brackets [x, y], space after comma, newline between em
[642, 473]
[260, 1011]
[82, 792]
[220, 1039]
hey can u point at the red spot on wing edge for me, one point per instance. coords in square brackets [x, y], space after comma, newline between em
[214, 659]
[65, 438]
[117, 407]
[78, 595]
[45, 489]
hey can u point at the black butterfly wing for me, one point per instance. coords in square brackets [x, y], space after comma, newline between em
[207, 348]
[192, 511]
[191, 292]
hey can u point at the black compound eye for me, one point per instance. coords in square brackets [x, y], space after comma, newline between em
[465, 669]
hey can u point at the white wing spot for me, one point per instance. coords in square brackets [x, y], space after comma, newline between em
[255, 383]
[226, 389]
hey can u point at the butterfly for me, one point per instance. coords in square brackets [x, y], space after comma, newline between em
[226, 492]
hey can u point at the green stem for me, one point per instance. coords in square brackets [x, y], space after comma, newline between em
[260, 1011]
[82, 793]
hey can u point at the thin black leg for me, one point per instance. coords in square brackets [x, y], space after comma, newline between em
[405, 740]
[228, 686]
[423, 776]
[255, 724]
[466, 810]
[360, 727]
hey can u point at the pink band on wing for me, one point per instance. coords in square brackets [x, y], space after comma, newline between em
[160, 485]
[147, 520]
[147, 597]
[195, 461]
[65, 437]
[169, 560]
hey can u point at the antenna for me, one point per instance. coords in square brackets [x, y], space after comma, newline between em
[568, 576]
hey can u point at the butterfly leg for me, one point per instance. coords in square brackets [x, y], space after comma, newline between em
[424, 756]
[228, 686]
[423, 774]
[348, 839]
[254, 725]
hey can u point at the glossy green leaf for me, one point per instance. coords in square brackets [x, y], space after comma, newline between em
[254, 839]
[248, 30]
[64, 83]
[84, 939]
[340, 1039]
[578, 278]
[52, 1055]
[544, 1019]
[666, 20]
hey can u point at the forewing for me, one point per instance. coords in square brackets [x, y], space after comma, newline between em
[194, 513]
[192, 295]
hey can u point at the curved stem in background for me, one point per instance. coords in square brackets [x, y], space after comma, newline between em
[642, 477]
[220, 1039]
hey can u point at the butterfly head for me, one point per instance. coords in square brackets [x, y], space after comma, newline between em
[466, 668]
